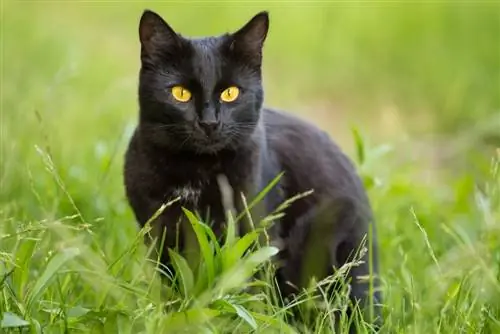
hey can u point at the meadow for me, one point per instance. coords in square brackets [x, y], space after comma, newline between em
[410, 90]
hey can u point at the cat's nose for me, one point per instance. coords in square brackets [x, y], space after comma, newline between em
[209, 127]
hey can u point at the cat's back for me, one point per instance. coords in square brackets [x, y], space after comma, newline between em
[311, 159]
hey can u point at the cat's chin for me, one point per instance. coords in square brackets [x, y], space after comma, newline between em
[209, 146]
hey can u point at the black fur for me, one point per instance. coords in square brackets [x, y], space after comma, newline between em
[171, 154]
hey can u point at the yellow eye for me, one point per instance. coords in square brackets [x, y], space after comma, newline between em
[181, 94]
[230, 94]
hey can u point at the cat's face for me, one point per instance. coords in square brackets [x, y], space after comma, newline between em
[200, 94]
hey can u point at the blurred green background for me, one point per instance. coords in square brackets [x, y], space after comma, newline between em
[395, 70]
[422, 77]
[420, 81]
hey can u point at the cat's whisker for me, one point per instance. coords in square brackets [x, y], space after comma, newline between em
[185, 141]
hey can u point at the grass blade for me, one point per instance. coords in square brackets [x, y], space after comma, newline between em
[237, 276]
[10, 320]
[50, 271]
[232, 254]
[260, 196]
[183, 273]
[245, 315]
[206, 250]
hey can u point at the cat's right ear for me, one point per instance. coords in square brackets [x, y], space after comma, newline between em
[156, 36]
[248, 41]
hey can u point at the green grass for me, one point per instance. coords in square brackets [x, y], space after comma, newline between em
[421, 84]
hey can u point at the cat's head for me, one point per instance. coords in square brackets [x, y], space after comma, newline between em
[201, 94]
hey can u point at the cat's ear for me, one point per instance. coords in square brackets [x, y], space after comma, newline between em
[156, 35]
[249, 40]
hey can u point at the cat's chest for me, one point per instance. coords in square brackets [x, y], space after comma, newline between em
[187, 193]
[195, 183]
[202, 198]
[199, 191]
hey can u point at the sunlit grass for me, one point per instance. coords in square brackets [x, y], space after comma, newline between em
[439, 270]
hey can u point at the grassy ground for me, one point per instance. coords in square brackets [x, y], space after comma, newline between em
[421, 82]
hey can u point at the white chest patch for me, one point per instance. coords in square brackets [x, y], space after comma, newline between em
[188, 194]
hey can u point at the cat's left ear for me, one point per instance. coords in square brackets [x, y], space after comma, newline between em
[249, 40]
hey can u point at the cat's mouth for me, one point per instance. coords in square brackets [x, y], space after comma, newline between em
[212, 140]
[208, 133]
[210, 146]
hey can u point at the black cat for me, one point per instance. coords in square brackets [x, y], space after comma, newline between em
[202, 115]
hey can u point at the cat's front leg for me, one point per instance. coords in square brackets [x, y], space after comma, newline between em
[167, 225]
[164, 231]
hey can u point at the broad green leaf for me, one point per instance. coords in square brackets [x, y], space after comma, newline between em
[77, 311]
[245, 315]
[73, 312]
[212, 236]
[206, 250]
[230, 230]
[50, 271]
[232, 254]
[262, 255]
[24, 254]
[240, 273]
[10, 320]
[201, 280]
[183, 272]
